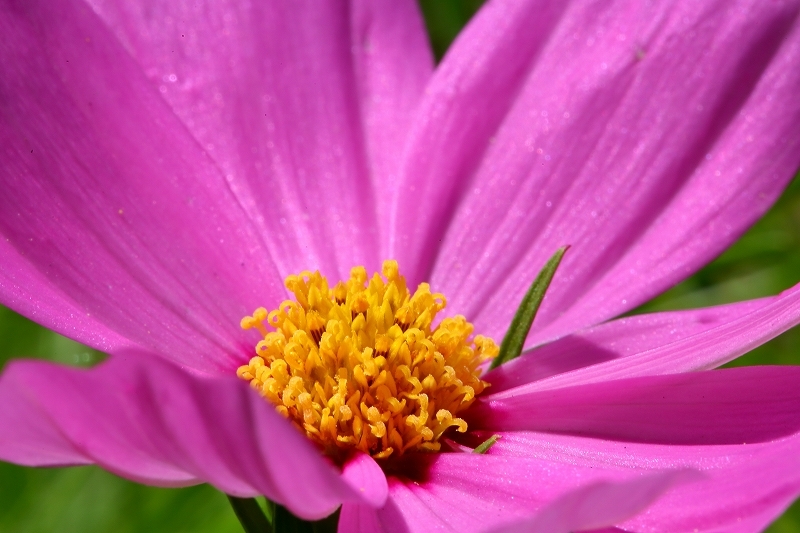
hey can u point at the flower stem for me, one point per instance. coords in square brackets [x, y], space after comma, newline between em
[286, 522]
[277, 518]
[250, 515]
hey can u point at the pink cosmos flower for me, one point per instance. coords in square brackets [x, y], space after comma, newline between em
[167, 164]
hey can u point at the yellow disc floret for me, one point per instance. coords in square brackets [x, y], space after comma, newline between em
[358, 366]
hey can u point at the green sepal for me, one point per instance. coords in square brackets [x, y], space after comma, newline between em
[484, 446]
[514, 340]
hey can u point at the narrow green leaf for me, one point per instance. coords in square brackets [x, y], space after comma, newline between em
[484, 446]
[269, 510]
[250, 515]
[517, 332]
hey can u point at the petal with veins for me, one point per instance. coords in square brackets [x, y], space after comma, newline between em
[145, 419]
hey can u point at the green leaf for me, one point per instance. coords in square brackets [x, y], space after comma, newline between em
[521, 324]
[250, 515]
[485, 445]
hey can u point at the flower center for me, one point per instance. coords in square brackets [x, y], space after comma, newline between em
[358, 366]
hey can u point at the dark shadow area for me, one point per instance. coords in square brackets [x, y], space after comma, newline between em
[444, 20]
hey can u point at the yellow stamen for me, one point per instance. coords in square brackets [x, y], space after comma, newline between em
[358, 366]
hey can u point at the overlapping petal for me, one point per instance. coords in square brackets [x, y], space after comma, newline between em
[365, 476]
[471, 493]
[471, 92]
[682, 117]
[303, 107]
[181, 204]
[730, 406]
[145, 419]
[107, 196]
[652, 344]
[24, 288]
[737, 426]
[597, 505]
[169, 163]
[743, 488]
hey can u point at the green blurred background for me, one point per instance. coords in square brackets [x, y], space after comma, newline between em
[88, 500]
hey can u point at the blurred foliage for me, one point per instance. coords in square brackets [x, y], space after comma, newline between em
[88, 500]
[444, 19]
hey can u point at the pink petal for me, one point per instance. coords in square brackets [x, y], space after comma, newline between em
[355, 518]
[469, 95]
[107, 196]
[734, 330]
[657, 343]
[744, 487]
[463, 492]
[393, 64]
[304, 109]
[364, 475]
[597, 505]
[614, 117]
[29, 436]
[22, 287]
[730, 406]
[145, 419]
